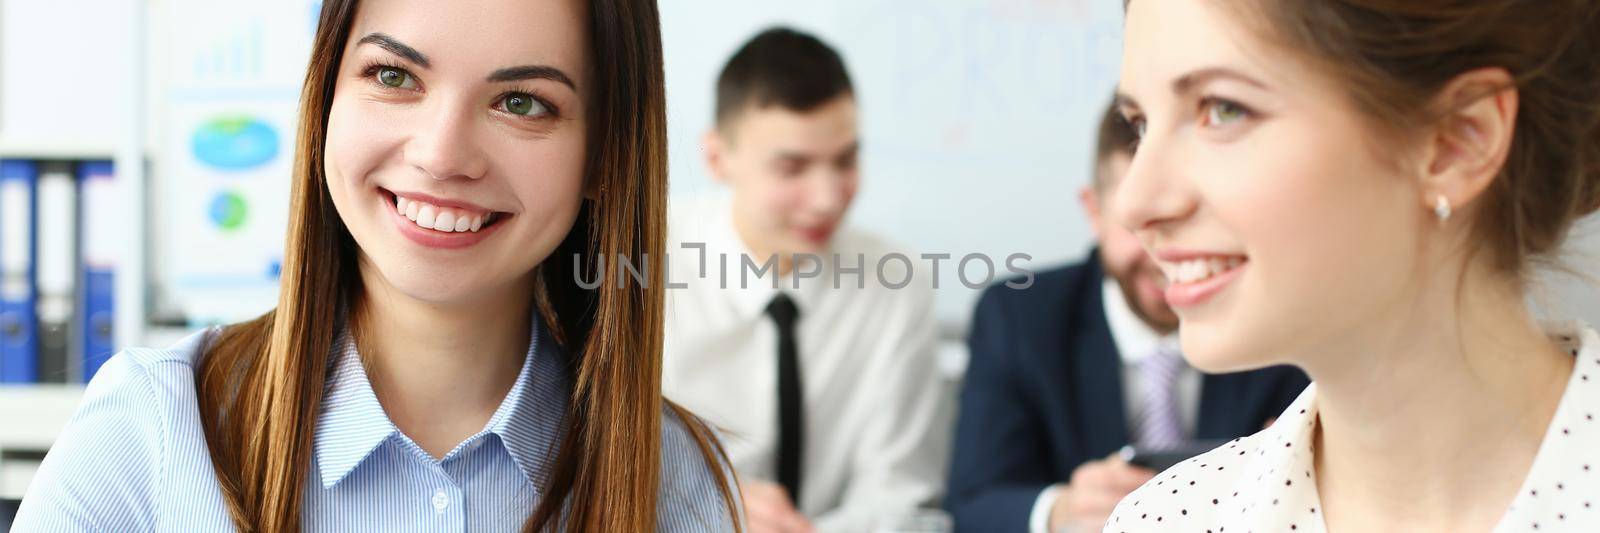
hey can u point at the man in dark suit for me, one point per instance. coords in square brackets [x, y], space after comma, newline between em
[1066, 372]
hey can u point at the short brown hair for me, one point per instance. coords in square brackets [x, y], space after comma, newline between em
[1115, 137]
[782, 67]
[1396, 55]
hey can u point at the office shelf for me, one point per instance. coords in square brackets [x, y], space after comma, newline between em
[27, 149]
[35, 414]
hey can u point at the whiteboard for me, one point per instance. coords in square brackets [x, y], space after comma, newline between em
[978, 117]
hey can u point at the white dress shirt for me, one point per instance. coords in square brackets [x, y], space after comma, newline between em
[1267, 482]
[1135, 340]
[877, 429]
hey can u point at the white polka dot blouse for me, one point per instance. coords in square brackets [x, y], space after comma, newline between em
[1266, 482]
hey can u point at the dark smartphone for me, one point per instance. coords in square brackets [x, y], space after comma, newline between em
[1162, 459]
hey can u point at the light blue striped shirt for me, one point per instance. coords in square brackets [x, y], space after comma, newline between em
[134, 458]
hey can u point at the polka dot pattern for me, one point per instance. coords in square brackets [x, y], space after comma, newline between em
[1562, 487]
[1267, 483]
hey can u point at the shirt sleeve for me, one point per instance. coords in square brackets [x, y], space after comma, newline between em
[691, 500]
[899, 461]
[103, 471]
[1039, 518]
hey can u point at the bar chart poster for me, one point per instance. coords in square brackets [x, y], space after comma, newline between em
[232, 75]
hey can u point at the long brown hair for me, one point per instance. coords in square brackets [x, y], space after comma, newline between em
[261, 382]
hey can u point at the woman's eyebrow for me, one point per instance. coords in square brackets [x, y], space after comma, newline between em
[396, 47]
[530, 72]
[524, 72]
[1188, 82]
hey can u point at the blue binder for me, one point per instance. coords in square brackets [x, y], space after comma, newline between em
[19, 323]
[97, 287]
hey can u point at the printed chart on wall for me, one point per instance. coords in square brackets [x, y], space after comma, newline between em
[233, 74]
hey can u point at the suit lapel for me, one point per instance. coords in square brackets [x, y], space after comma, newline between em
[1097, 368]
[1225, 409]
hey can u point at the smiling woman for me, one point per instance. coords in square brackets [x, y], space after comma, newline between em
[1360, 188]
[430, 364]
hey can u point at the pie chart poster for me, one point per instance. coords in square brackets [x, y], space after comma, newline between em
[228, 209]
[232, 75]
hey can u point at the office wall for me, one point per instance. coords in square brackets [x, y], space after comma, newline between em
[977, 116]
[60, 78]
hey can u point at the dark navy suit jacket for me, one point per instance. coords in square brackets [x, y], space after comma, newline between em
[1043, 394]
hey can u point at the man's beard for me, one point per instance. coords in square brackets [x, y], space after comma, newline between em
[1129, 283]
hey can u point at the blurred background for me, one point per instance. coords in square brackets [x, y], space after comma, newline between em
[145, 148]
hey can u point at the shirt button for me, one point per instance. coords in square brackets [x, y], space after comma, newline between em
[440, 500]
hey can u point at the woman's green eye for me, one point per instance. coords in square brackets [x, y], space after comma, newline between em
[393, 77]
[1224, 112]
[523, 104]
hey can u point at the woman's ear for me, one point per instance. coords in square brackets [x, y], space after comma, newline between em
[1470, 141]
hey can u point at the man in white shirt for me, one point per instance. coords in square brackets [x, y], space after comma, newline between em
[1080, 363]
[809, 343]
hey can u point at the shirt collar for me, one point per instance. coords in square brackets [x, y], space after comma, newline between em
[352, 423]
[529, 420]
[1285, 452]
[751, 299]
[1286, 448]
[1135, 340]
[1561, 478]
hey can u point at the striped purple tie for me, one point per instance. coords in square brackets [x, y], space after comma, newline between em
[1157, 425]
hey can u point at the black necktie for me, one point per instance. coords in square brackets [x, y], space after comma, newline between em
[791, 430]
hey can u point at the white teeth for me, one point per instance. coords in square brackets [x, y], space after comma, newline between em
[1196, 270]
[442, 219]
[426, 216]
[445, 222]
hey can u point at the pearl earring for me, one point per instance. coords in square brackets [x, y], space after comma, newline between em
[1442, 209]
